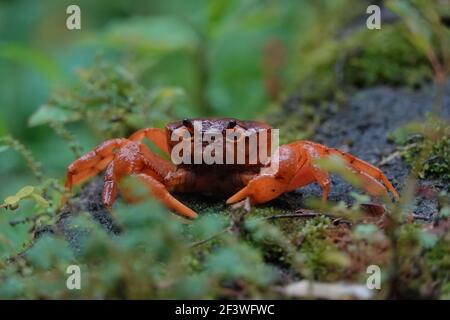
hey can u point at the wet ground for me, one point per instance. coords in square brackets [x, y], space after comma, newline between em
[361, 127]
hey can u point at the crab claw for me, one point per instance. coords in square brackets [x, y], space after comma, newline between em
[260, 189]
[238, 196]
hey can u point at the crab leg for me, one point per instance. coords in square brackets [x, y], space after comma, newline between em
[155, 135]
[124, 157]
[296, 169]
[373, 176]
[132, 159]
[149, 168]
[266, 187]
[162, 194]
[92, 163]
[109, 193]
[309, 174]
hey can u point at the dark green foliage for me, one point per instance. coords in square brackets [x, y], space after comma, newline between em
[149, 259]
[437, 162]
[35, 166]
[109, 97]
[339, 55]
[386, 58]
[426, 147]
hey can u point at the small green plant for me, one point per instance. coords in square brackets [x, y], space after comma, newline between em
[437, 164]
[385, 58]
[426, 147]
[426, 32]
[8, 141]
[110, 99]
[28, 192]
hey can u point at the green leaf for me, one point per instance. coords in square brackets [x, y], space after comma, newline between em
[12, 200]
[11, 288]
[40, 200]
[31, 57]
[445, 212]
[47, 113]
[427, 240]
[156, 34]
[420, 29]
[48, 251]
[208, 226]
[337, 164]
[3, 148]
[25, 192]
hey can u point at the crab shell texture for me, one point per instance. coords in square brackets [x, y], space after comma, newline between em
[237, 136]
[250, 178]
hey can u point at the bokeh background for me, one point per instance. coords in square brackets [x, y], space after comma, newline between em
[143, 63]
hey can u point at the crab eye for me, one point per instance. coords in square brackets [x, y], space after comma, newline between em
[235, 135]
[231, 124]
[187, 123]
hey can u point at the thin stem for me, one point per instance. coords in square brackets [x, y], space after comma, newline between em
[67, 136]
[26, 154]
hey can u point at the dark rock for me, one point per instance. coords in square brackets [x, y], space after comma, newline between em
[367, 120]
[89, 200]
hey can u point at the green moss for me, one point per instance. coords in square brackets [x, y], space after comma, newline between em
[424, 259]
[300, 124]
[425, 147]
[111, 100]
[274, 242]
[438, 260]
[363, 58]
[385, 57]
[436, 162]
[321, 258]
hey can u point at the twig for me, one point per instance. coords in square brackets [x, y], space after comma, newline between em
[308, 214]
[239, 212]
[28, 219]
[396, 154]
[198, 243]
[25, 220]
[293, 215]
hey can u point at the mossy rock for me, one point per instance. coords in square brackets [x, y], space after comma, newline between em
[386, 57]
[362, 59]
[437, 160]
[429, 154]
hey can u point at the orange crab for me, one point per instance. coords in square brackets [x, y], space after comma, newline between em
[295, 166]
